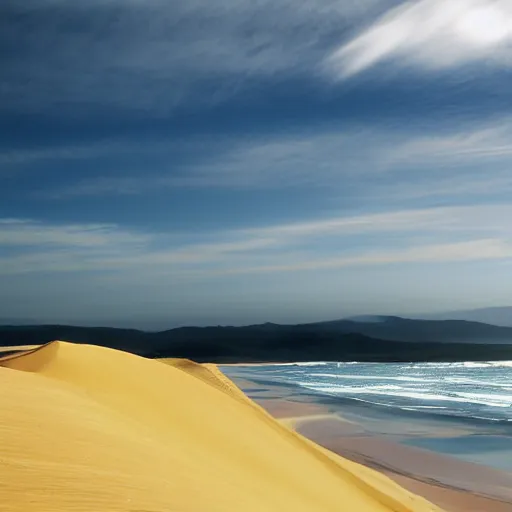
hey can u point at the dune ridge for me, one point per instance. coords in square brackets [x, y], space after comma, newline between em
[88, 428]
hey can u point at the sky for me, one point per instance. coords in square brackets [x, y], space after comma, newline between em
[241, 161]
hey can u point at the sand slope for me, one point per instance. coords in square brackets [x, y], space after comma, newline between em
[84, 428]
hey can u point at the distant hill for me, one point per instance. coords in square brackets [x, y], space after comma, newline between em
[391, 339]
[501, 316]
[426, 331]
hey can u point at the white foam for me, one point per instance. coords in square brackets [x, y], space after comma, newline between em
[471, 364]
[464, 364]
[348, 389]
[397, 392]
[458, 364]
[494, 400]
[501, 364]
[414, 408]
[480, 383]
[465, 388]
[312, 363]
[371, 377]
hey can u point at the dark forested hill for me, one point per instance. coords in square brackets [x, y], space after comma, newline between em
[429, 331]
[389, 339]
[495, 316]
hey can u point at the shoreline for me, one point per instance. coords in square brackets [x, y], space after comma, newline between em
[89, 428]
[377, 439]
[453, 485]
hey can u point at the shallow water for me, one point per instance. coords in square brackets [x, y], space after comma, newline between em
[492, 451]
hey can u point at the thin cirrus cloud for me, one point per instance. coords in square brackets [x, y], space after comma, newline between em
[155, 55]
[474, 250]
[430, 235]
[468, 221]
[25, 232]
[430, 35]
[444, 161]
[491, 140]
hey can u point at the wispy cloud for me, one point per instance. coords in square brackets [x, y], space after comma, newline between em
[448, 186]
[437, 234]
[75, 152]
[429, 35]
[455, 221]
[475, 250]
[29, 246]
[326, 158]
[152, 56]
[485, 143]
[99, 149]
[24, 232]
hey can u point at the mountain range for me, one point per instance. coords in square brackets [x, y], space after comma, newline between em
[377, 338]
[501, 316]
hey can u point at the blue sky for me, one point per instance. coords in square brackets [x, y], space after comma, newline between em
[169, 163]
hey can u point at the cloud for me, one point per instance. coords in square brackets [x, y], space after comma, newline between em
[38, 155]
[258, 162]
[100, 149]
[431, 35]
[454, 221]
[436, 234]
[475, 250]
[81, 152]
[444, 161]
[465, 187]
[487, 142]
[30, 246]
[22, 232]
[152, 56]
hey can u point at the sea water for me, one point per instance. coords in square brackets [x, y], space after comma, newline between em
[464, 409]
[479, 391]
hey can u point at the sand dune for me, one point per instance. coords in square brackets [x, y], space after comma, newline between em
[85, 428]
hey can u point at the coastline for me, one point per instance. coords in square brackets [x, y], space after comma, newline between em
[91, 428]
[374, 439]
[443, 480]
[377, 441]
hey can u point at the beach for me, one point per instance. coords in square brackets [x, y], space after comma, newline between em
[380, 440]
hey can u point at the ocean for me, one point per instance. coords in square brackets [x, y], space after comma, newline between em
[463, 409]
[477, 391]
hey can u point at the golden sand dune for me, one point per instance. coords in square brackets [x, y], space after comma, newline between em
[84, 428]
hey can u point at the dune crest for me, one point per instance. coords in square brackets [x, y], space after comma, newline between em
[87, 428]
